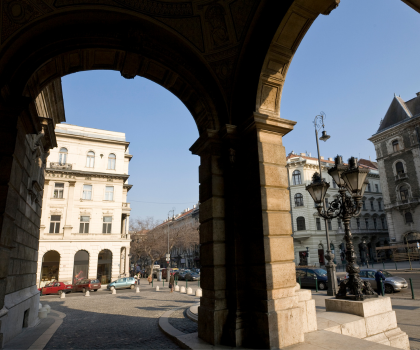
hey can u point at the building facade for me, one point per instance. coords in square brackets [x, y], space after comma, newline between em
[309, 229]
[397, 145]
[85, 215]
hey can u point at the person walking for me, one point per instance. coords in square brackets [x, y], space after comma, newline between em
[171, 282]
[379, 278]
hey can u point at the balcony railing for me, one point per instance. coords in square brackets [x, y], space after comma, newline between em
[401, 176]
[60, 166]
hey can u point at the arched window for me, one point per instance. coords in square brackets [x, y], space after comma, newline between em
[300, 221]
[90, 159]
[111, 161]
[395, 146]
[62, 158]
[50, 267]
[81, 265]
[104, 266]
[297, 180]
[298, 200]
[399, 167]
[408, 218]
[404, 193]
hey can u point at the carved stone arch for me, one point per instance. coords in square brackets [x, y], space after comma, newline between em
[394, 169]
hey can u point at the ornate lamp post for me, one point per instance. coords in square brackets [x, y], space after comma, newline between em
[330, 266]
[351, 179]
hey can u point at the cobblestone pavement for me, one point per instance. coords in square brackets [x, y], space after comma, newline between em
[126, 320]
[180, 321]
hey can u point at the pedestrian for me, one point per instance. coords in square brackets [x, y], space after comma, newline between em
[149, 278]
[171, 282]
[379, 277]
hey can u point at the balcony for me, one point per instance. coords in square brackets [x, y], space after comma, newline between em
[401, 176]
[126, 205]
[59, 166]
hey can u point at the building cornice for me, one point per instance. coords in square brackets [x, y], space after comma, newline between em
[91, 138]
[81, 173]
[394, 130]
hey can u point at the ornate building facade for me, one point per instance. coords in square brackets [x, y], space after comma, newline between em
[397, 145]
[84, 223]
[309, 229]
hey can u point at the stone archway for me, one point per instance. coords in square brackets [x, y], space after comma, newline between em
[227, 62]
[104, 272]
[50, 268]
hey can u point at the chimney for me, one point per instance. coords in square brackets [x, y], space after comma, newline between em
[303, 154]
[417, 94]
[322, 157]
[331, 159]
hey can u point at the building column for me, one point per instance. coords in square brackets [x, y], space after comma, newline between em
[127, 260]
[69, 210]
[44, 228]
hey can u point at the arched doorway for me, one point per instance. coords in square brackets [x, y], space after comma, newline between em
[104, 266]
[231, 78]
[81, 265]
[50, 267]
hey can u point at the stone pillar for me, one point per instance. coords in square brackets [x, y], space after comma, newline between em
[248, 272]
[127, 260]
[69, 210]
[213, 309]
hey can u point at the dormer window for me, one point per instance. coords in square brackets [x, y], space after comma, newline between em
[395, 146]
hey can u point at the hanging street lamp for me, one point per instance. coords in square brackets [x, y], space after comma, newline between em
[351, 180]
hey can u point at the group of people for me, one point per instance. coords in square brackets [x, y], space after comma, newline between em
[150, 278]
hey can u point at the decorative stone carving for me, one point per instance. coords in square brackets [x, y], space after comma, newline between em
[216, 24]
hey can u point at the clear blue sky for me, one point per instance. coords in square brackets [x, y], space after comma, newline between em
[349, 65]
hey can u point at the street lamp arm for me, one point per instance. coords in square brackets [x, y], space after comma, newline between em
[334, 210]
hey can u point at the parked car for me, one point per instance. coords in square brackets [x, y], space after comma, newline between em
[122, 283]
[56, 288]
[309, 275]
[392, 283]
[192, 276]
[87, 284]
[181, 274]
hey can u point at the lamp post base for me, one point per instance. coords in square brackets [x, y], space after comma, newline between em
[332, 279]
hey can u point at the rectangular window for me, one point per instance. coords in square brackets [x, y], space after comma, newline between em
[380, 205]
[55, 223]
[318, 224]
[87, 192]
[106, 227]
[367, 224]
[109, 193]
[329, 225]
[58, 190]
[371, 205]
[364, 205]
[375, 223]
[369, 188]
[339, 223]
[358, 223]
[383, 223]
[376, 187]
[84, 224]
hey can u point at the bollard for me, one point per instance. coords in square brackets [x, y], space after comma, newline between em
[63, 296]
[198, 292]
[300, 282]
[176, 280]
[48, 308]
[189, 291]
[381, 286]
[42, 313]
[182, 289]
[176, 288]
[87, 294]
[157, 288]
[186, 283]
[114, 291]
[316, 284]
[412, 290]
[137, 289]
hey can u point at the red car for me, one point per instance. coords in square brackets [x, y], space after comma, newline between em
[56, 288]
[87, 284]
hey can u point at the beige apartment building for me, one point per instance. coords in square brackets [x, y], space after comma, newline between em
[85, 214]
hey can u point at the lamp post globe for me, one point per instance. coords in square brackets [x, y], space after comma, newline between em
[354, 177]
[317, 188]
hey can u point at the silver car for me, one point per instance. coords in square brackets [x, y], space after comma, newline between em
[392, 283]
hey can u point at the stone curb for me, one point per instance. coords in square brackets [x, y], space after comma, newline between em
[42, 341]
[191, 315]
[170, 330]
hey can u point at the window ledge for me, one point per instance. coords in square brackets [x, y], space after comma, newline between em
[54, 198]
[107, 200]
[87, 200]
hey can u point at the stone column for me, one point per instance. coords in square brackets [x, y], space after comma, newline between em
[127, 260]
[213, 310]
[69, 210]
